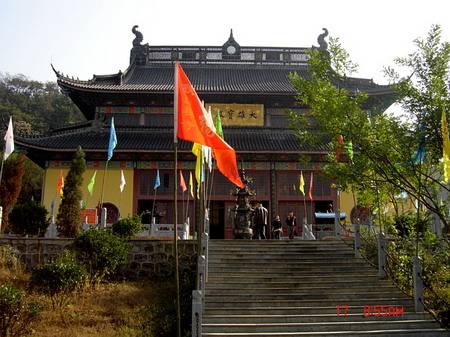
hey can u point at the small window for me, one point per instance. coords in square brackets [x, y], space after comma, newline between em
[166, 180]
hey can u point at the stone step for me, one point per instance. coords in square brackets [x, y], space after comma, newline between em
[286, 259]
[241, 302]
[302, 288]
[300, 284]
[213, 262]
[345, 294]
[292, 287]
[305, 278]
[285, 273]
[282, 247]
[290, 310]
[287, 268]
[309, 318]
[321, 326]
[370, 333]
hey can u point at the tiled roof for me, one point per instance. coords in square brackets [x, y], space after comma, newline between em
[269, 140]
[209, 78]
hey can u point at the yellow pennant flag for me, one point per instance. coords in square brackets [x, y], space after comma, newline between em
[197, 149]
[445, 148]
[301, 186]
[191, 184]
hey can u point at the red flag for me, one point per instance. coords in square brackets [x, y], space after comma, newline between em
[193, 124]
[310, 192]
[340, 144]
[182, 183]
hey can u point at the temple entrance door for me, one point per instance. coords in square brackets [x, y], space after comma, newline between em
[217, 220]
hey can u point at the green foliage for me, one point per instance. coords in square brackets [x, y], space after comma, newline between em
[68, 218]
[406, 224]
[127, 227]
[424, 93]
[35, 106]
[101, 252]
[16, 312]
[11, 184]
[160, 317]
[435, 255]
[59, 279]
[31, 182]
[28, 219]
[9, 259]
[384, 145]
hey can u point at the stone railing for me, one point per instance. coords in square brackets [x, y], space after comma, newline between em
[147, 258]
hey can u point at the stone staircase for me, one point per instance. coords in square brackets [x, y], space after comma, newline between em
[292, 288]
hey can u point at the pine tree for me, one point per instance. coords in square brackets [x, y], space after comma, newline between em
[68, 218]
[11, 184]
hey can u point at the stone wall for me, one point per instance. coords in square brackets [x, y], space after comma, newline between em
[147, 258]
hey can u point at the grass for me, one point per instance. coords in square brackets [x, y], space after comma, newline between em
[109, 310]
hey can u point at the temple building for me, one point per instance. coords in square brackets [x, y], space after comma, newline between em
[250, 89]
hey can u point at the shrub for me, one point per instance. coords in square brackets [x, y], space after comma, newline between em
[9, 259]
[68, 218]
[59, 279]
[160, 317]
[29, 218]
[127, 227]
[101, 252]
[16, 312]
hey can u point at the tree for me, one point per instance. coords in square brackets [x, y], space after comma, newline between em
[28, 218]
[384, 145]
[11, 184]
[31, 182]
[36, 106]
[68, 218]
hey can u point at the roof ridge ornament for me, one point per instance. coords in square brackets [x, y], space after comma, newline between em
[323, 45]
[139, 37]
[231, 39]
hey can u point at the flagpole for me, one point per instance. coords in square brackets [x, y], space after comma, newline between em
[306, 214]
[175, 188]
[103, 185]
[187, 205]
[1, 170]
[153, 205]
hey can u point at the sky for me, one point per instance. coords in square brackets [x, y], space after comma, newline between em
[86, 37]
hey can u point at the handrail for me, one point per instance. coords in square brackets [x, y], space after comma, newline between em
[425, 284]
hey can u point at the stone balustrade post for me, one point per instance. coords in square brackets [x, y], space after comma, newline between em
[381, 256]
[204, 251]
[197, 313]
[337, 224]
[103, 217]
[202, 273]
[418, 284]
[1, 217]
[357, 240]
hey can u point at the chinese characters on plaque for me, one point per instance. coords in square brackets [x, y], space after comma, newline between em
[238, 114]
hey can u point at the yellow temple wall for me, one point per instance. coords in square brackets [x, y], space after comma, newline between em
[346, 204]
[124, 200]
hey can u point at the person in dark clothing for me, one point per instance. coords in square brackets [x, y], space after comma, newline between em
[276, 228]
[291, 222]
[260, 222]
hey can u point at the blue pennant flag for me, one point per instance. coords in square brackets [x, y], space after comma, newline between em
[420, 153]
[157, 180]
[112, 139]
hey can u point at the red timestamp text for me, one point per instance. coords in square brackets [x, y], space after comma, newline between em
[383, 310]
[373, 310]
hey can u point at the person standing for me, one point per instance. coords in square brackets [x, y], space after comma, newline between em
[260, 219]
[291, 222]
[276, 228]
